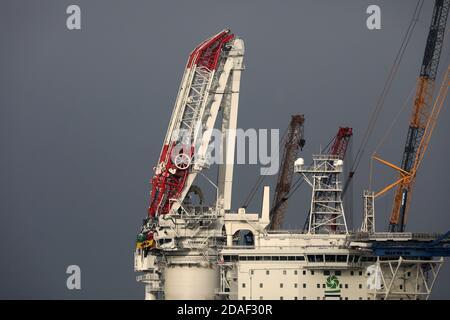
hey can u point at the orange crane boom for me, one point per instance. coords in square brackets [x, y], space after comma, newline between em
[422, 117]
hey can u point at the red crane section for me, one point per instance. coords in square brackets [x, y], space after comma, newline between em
[340, 142]
[174, 165]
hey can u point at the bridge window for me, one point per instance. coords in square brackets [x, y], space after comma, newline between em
[341, 258]
[300, 258]
[330, 258]
[338, 272]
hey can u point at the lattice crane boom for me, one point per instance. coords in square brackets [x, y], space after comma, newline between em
[294, 141]
[420, 118]
[184, 152]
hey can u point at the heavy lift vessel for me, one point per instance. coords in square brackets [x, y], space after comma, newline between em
[187, 251]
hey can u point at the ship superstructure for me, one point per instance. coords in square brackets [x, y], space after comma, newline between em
[188, 250]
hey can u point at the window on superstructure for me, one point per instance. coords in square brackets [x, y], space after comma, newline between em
[252, 272]
[261, 298]
[346, 298]
[295, 285]
[304, 298]
[318, 298]
[295, 298]
[251, 258]
[401, 287]
[243, 258]
[281, 285]
[360, 298]
[243, 297]
[304, 272]
[360, 286]
[312, 272]
[276, 258]
[300, 258]
[267, 258]
[267, 272]
[258, 258]
[284, 272]
[352, 273]
[360, 273]
[311, 258]
[326, 272]
[243, 285]
[408, 274]
[283, 258]
[340, 285]
[346, 286]
[341, 258]
[281, 298]
[295, 272]
[291, 258]
[318, 286]
[319, 258]
[323, 285]
[338, 272]
[330, 258]
[261, 285]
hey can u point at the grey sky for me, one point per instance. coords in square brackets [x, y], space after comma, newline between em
[84, 113]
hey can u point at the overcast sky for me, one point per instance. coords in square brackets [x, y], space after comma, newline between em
[84, 114]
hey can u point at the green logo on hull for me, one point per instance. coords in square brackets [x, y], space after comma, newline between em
[332, 284]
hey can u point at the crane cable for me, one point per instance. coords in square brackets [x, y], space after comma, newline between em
[386, 88]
